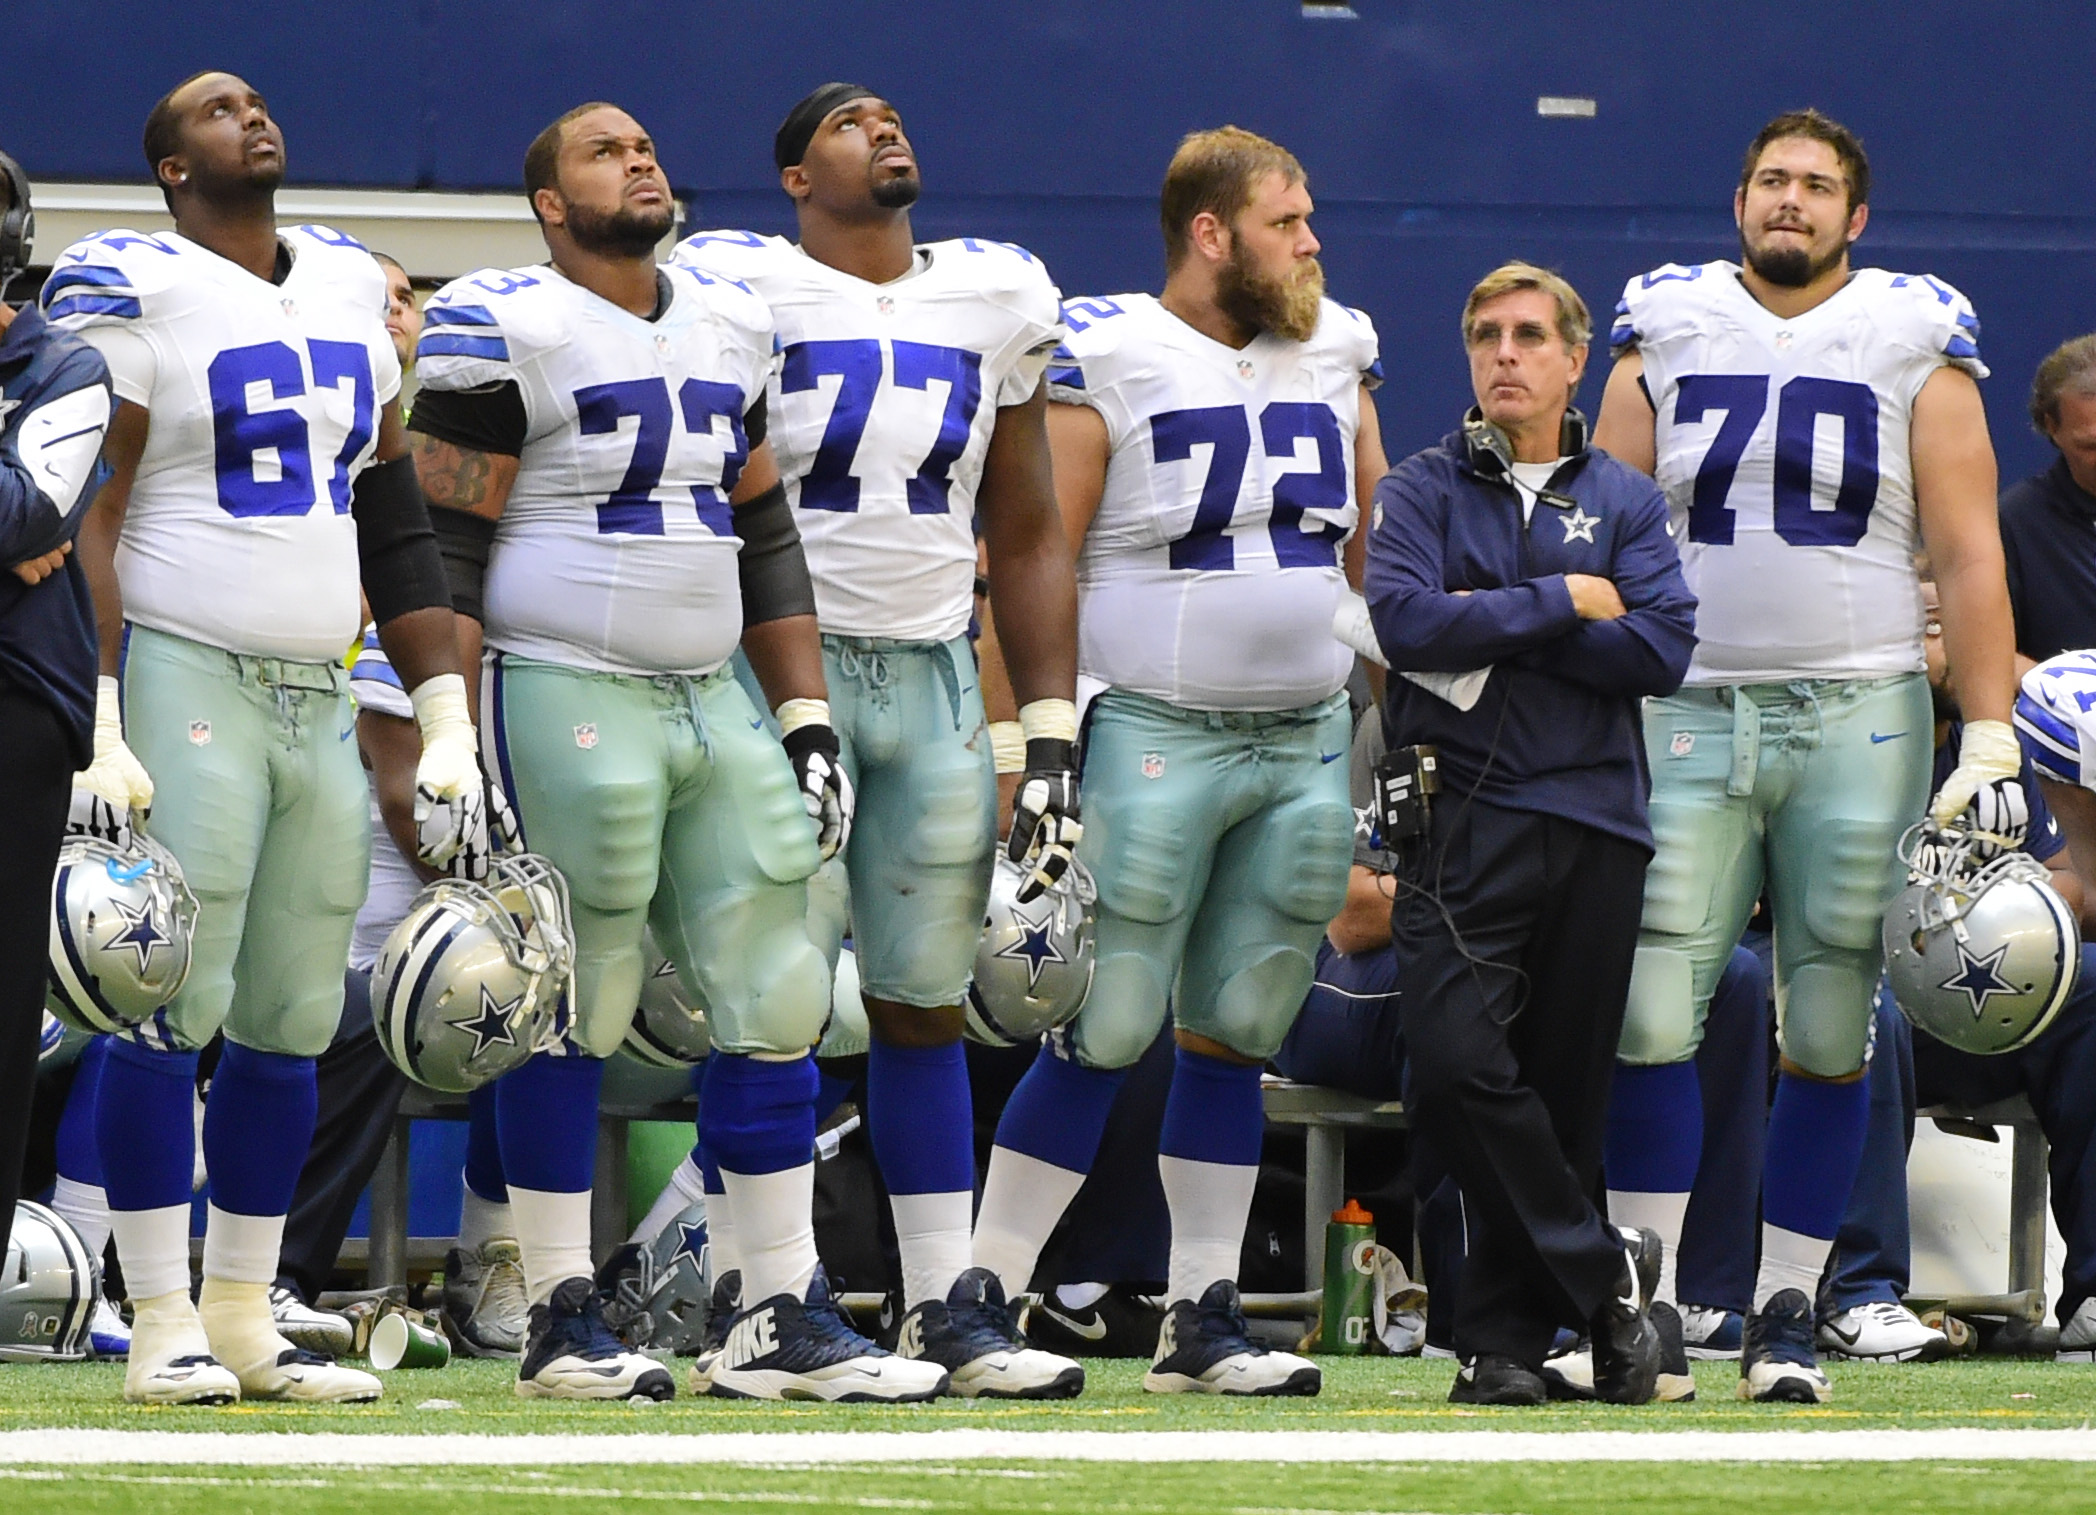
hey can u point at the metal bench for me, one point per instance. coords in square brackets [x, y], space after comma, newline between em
[1325, 1115]
[2028, 1153]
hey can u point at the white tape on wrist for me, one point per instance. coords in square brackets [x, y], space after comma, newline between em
[440, 709]
[1008, 746]
[1054, 719]
[794, 714]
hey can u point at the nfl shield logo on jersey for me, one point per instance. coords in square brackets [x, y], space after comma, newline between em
[1153, 765]
[200, 733]
[586, 735]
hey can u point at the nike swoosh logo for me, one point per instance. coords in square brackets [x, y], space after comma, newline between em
[1330, 757]
[756, 725]
[1092, 1330]
[1849, 1338]
[347, 734]
[1890, 736]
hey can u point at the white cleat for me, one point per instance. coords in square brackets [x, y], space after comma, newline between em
[171, 1361]
[320, 1331]
[1882, 1331]
[1710, 1334]
[972, 1336]
[787, 1348]
[307, 1378]
[242, 1330]
[1205, 1348]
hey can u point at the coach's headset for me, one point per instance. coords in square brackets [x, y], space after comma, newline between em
[18, 225]
[1491, 454]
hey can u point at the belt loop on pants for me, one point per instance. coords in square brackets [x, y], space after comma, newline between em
[1746, 743]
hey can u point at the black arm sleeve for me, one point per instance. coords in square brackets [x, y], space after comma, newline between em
[775, 581]
[465, 540]
[755, 422]
[396, 548]
[488, 419]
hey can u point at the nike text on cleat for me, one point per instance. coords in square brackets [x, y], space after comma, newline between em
[301, 1377]
[1881, 1330]
[972, 1336]
[1712, 1334]
[1776, 1361]
[787, 1348]
[571, 1353]
[486, 1311]
[320, 1331]
[1206, 1348]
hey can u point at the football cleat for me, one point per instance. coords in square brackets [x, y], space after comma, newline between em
[1882, 1330]
[571, 1354]
[2078, 1335]
[1712, 1334]
[973, 1337]
[725, 1305]
[1776, 1361]
[1626, 1344]
[1119, 1323]
[297, 1376]
[1206, 1348]
[787, 1348]
[486, 1311]
[1497, 1379]
[107, 1331]
[312, 1330]
[1570, 1375]
[171, 1361]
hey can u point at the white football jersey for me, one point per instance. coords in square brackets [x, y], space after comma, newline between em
[1783, 449]
[2056, 718]
[1211, 570]
[617, 549]
[882, 406]
[264, 402]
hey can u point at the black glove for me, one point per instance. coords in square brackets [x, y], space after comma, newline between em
[818, 768]
[1045, 827]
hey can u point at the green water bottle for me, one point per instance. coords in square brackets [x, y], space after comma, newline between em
[1349, 1305]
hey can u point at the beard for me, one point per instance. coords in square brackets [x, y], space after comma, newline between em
[622, 233]
[1789, 267]
[1289, 308]
[896, 193]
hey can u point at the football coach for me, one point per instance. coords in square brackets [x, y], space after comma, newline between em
[1532, 583]
[55, 406]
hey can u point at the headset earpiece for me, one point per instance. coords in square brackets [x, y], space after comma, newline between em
[17, 225]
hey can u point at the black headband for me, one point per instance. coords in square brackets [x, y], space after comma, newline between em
[798, 129]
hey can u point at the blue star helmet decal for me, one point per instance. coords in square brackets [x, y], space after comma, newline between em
[1036, 944]
[1978, 977]
[141, 934]
[491, 1027]
[691, 1243]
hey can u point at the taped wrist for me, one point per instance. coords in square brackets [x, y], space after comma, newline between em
[397, 554]
[774, 571]
[464, 542]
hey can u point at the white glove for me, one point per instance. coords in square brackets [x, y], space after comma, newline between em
[1988, 755]
[114, 790]
[451, 802]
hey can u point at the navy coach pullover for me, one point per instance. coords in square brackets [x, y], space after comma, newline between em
[1557, 729]
[47, 633]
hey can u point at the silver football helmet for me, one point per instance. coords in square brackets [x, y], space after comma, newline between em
[121, 922]
[669, 1025]
[468, 985]
[49, 1286]
[659, 1297]
[1033, 966]
[1981, 953]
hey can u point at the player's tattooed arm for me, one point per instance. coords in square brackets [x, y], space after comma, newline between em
[122, 447]
[1625, 429]
[1033, 573]
[459, 478]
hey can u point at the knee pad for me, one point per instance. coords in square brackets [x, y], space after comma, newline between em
[1310, 882]
[1825, 1021]
[1257, 1003]
[1127, 1004]
[789, 1002]
[1659, 1018]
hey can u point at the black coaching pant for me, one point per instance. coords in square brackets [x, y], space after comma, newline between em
[1512, 1048]
[36, 786]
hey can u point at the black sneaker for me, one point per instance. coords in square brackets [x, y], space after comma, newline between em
[1493, 1378]
[1776, 1362]
[787, 1348]
[1119, 1323]
[572, 1354]
[973, 1337]
[1626, 1344]
[1206, 1348]
[726, 1302]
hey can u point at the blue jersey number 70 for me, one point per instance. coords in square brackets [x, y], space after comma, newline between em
[1799, 406]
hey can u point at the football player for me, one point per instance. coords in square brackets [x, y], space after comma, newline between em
[908, 409]
[592, 430]
[1212, 447]
[259, 469]
[1811, 423]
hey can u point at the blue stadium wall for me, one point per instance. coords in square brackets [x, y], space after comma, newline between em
[1049, 122]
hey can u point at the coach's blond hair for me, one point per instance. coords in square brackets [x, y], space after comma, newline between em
[1216, 171]
[1573, 322]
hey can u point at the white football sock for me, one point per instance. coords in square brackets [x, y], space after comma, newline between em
[1209, 1204]
[722, 1238]
[84, 1207]
[687, 1187]
[932, 1234]
[553, 1233]
[1629, 1209]
[153, 1246]
[775, 1230]
[242, 1249]
[1790, 1260]
[1080, 1296]
[483, 1220]
[1023, 1199]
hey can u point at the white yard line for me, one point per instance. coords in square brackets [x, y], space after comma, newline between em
[831, 1448]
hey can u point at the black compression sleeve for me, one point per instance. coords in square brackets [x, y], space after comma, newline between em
[396, 549]
[774, 572]
[465, 540]
[754, 423]
[488, 419]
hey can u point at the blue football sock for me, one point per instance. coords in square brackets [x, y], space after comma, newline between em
[1058, 1112]
[79, 1158]
[546, 1118]
[1655, 1129]
[1815, 1147]
[830, 1092]
[1213, 1113]
[258, 1127]
[757, 1116]
[484, 1147]
[919, 1118]
[144, 1128]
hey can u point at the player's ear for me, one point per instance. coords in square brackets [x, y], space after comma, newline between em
[1209, 236]
[552, 209]
[1858, 219]
[1739, 206]
[794, 180]
[171, 172]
